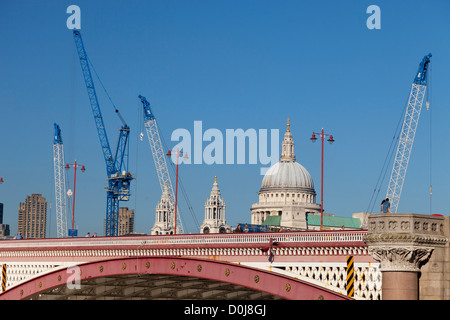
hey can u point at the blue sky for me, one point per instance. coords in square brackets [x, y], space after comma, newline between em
[230, 64]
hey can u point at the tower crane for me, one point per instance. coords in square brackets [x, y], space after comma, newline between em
[60, 184]
[407, 133]
[118, 176]
[158, 155]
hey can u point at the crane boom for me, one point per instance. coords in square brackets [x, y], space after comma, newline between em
[118, 177]
[60, 184]
[93, 100]
[408, 133]
[158, 156]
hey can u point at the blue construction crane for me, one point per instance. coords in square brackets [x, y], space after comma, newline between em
[118, 176]
[160, 163]
[60, 183]
[408, 132]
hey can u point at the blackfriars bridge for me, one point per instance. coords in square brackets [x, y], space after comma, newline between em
[399, 256]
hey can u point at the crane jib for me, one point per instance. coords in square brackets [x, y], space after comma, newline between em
[118, 176]
[407, 134]
[160, 161]
[421, 76]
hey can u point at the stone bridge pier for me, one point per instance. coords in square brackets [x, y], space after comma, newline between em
[414, 253]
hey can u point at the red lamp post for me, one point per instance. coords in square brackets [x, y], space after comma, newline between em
[169, 154]
[330, 140]
[67, 167]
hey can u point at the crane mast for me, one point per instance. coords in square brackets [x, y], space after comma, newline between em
[60, 184]
[408, 133]
[118, 177]
[154, 139]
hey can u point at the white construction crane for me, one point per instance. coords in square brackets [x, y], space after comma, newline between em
[159, 158]
[60, 184]
[407, 134]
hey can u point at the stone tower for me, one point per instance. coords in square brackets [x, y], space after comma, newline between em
[164, 213]
[215, 212]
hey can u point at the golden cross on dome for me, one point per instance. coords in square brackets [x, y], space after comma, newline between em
[288, 125]
[215, 179]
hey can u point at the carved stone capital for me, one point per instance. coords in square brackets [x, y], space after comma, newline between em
[401, 258]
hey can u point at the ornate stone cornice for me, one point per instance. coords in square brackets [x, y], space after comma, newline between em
[405, 239]
[406, 222]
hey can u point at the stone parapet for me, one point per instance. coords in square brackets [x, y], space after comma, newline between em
[407, 227]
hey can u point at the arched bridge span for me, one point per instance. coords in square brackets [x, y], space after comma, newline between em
[166, 278]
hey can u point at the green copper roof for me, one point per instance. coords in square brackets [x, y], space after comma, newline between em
[314, 220]
[272, 221]
[333, 221]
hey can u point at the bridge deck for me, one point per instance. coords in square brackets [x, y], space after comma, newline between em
[315, 256]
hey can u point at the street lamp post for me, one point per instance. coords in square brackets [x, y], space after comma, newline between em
[169, 154]
[75, 165]
[330, 140]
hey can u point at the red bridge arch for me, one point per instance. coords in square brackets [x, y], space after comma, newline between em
[253, 279]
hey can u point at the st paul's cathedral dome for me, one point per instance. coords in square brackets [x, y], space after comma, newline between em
[287, 191]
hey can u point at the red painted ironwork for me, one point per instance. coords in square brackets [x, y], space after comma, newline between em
[257, 279]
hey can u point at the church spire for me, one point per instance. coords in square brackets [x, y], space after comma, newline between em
[287, 152]
[215, 185]
[164, 210]
[214, 221]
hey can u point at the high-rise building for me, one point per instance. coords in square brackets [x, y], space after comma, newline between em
[4, 228]
[32, 220]
[125, 222]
